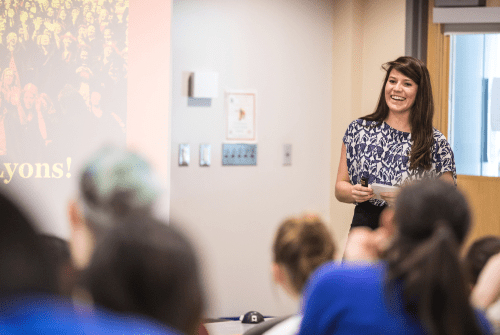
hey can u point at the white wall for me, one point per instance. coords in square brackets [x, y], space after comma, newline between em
[366, 35]
[283, 50]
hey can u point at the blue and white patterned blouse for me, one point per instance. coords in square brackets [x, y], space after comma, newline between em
[381, 153]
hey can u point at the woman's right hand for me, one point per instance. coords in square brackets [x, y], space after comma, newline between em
[361, 193]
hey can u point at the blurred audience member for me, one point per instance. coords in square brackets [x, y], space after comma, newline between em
[483, 264]
[420, 288]
[300, 246]
[59, 255]
[365, 244]
[29, 286]
[145, 267]
[114, 185]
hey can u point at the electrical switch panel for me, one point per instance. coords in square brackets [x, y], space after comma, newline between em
[239, 154]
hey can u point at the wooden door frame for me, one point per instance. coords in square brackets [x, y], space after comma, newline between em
[482, 192]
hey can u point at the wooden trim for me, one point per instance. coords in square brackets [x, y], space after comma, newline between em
[483, 194]
[492, 3]
[438, 64]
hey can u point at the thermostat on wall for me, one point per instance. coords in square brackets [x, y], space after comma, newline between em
[203, 85]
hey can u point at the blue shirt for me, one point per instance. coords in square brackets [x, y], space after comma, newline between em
[46, 314]
[351, 299]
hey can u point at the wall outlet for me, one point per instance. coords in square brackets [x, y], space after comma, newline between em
[184, 154]
[205, 154]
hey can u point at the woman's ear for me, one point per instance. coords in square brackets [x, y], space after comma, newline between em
[278, 275]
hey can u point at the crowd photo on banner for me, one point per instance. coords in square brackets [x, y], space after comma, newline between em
[63, 66]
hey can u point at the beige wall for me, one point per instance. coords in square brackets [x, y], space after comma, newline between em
[366, 35]
[283, 50]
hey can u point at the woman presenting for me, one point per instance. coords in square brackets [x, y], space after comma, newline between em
[394, 145]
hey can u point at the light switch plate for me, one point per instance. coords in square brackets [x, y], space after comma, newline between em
[239, 154]
[184, 154]
[205, 154]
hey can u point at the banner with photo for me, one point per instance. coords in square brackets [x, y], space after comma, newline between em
[63, 67]
[63, 91]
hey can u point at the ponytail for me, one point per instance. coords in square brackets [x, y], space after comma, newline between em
[434, 287]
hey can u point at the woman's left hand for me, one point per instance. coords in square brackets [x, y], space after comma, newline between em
[389, 197]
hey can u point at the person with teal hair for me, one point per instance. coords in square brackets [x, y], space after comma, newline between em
[114, 184]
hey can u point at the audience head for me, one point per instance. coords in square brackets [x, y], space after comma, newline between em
[430, 207]
[145, 267]
[24, 264]
[432, 220]
[300, 246]
[114, 185]
[478, 255]
[60, 257]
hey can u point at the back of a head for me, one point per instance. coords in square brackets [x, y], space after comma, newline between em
[114, 184]
[24, 264]
[59, 256]
[478, 255]
[427, 205]
[301, 245]
[432, 219]
[149, 269]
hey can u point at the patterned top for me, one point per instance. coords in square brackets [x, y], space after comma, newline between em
[381, 154]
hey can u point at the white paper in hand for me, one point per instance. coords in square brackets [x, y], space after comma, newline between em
[380, 188]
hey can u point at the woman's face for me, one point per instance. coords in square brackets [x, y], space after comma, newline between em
[82, 32]
[89, 18]
[8, 78]
[108, 51]
[24, 16]
[400, 92]
[62, 15]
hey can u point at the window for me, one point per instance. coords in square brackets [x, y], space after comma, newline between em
[474, 103]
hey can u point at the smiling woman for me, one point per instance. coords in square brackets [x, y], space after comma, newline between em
[394, 145]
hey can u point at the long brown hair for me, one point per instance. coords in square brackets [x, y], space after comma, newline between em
[421, 113]
[433, 219]
[301, 245]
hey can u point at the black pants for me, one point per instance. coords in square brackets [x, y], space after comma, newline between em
[366, 215]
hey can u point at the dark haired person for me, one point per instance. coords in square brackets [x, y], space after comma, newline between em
[29, 299]
[394, 145]
[114, 184]
[482, 264]
[419, 288]
[148, 268]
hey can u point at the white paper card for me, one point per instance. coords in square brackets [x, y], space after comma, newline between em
[380, 188]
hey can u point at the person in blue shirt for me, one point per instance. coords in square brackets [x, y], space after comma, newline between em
[417, 288]
[29, 299]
